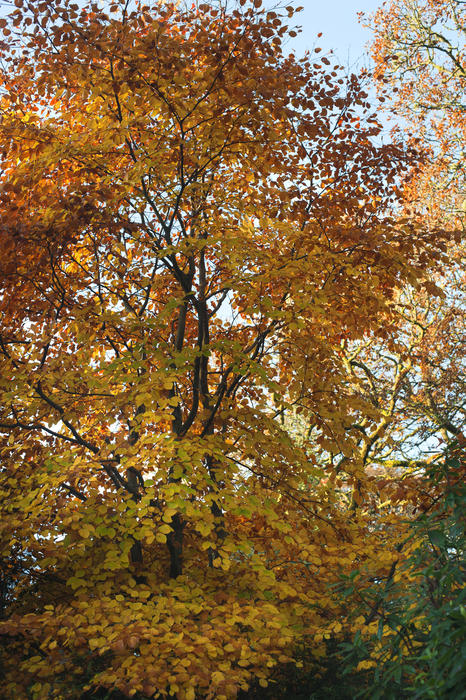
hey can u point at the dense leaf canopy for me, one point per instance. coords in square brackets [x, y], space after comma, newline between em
[195, 227]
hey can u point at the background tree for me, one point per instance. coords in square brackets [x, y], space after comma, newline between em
[418, 51]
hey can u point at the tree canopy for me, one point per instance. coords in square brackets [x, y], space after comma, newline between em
[197, 227]
[418, 50]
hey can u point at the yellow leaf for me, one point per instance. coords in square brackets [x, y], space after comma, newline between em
[168, 515]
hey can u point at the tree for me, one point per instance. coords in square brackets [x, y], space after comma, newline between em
[417, 374]
[192, 222]
[418, 51]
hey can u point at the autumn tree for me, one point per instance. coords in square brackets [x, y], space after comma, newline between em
[419, 66]
[192, 223]
[418, 50]
[416, 374]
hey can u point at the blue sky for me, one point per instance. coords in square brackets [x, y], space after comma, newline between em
[338, 22]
